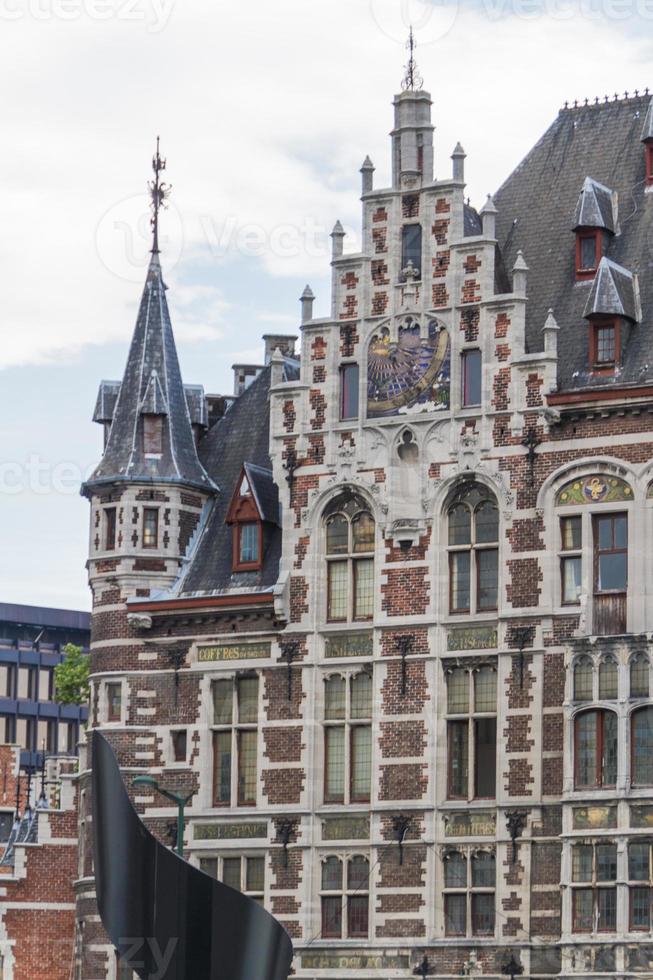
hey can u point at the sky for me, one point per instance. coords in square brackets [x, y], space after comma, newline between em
[266, 112]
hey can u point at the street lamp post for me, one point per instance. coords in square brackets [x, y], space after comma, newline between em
[180, 801]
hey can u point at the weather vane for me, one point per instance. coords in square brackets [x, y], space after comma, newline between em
[412, 79]
[159, 193]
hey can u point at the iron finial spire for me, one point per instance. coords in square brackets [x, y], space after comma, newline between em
[159, 192]
[412, 79]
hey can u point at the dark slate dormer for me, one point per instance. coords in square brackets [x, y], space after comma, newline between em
[595, 222]
[647, 140]
[105, 405]
[151, 437]
[255, 504]
[612, 308]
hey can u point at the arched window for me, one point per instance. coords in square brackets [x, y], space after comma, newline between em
[641, 747]
[583, 680]
[595, 749]
[350, 532]
[639, 677]
[608, 680]
[473, 539]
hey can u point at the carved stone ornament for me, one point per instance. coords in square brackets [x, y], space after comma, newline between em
[139, 620]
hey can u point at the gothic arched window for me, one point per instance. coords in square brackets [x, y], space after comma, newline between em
[595, 749]
[473, 546]
[641, 747]
[584, 680]
[350, 532]
[639, 677]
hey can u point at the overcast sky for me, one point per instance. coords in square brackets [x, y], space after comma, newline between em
[266, 111]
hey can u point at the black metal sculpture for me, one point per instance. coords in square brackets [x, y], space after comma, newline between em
[166, 918]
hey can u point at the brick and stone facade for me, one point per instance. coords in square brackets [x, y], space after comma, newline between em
[493, 784]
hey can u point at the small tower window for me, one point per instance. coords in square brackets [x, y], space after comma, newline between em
[588, 252]
[471, 377]
[411, 248]
[248, 536]
[648, 150]
[152, 435]
[349, 383]
[150, 527]
[110, 528]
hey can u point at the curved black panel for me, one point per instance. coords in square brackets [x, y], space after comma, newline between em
[167, 919]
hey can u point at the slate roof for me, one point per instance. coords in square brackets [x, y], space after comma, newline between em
[614, 292]
[239, 439]
[151, 384]
[595, 208]
[537, 205]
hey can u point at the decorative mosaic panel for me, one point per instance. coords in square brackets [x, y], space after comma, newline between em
[348, 645]
[641, 816]
[346, 828]
[594, 490]
[230, 831]
[594, 817]
[472, 638]
[351, 960]
[410, 376]
[238, 651]
[470, 823]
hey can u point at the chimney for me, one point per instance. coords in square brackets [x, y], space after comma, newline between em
[281, 341]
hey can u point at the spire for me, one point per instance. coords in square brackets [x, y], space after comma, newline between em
[152, 386]
[159, 192]
[413, 81]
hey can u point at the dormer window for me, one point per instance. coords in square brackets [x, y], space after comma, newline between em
[604, 344]
[648, 150]
[153, 435]
[253, 512]
[588, 252]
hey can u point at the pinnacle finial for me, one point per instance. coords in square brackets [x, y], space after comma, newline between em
[159, 193]
[412, 79]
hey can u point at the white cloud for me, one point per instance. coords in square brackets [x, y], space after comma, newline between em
[266, 112]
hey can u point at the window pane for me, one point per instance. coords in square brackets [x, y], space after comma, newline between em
[358, 916]
[471, 372]
[338, 590]
[620, 531]
[588, 252]
[458, 691]
[222, 750]
[247, 699]
[640, 908]
[179, 745]
[485, 730]
[459, 580]
[607, 909]
[255, 874]
[638, 862]
[583, 675]
[572, 571]
[485, 689]
[455, 915]
[349, 376]
[222, 702]
[337, 535]
[639, 678]
[332, 917]
[583, 910]
[332, 875]
[150, 527]
[231, 872]
[571, 533]
[487, 523]
[110, 528]
[361, 696]
[455, 871]
[363, 588]
[458, 737]
[361, 762]
[335, 765]
[613, 572]
[460, 525]
[247, 767]
[358, 874]
[483, 870]
[606, 862]
[363, 532]
[209, 866]
[249, 539]
[581, 865]
[152, 434]
[608, 679]
[642, 747]
[334, 698]
[609, 769]
[114, 702]
[586, 749]
[488, 578]
[483, 914]
[605, 344]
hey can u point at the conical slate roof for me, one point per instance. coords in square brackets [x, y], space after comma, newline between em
[152, 385]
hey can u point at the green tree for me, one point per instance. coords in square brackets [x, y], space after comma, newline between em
[71, 676]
